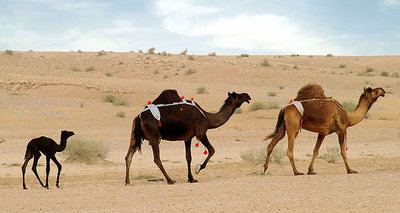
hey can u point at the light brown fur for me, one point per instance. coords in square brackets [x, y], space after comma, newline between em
[310, 91]
[323, 117]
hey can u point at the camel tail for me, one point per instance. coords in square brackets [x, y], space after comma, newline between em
[136, 135]
[278, 125]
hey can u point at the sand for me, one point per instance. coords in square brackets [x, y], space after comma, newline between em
[42, 93]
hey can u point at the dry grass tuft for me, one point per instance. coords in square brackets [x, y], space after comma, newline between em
[331, 154]
[85, 151]
[265, 63]
[151, 50]
[201, 90]
[115, 100]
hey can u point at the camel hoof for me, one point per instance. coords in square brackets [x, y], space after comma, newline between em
[311, 173]
[298, 173]
[352, 172]
[192, 181]
[25, 188]
[197, 169]
[171, 182]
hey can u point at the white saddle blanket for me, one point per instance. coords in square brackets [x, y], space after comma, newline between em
[299, 107]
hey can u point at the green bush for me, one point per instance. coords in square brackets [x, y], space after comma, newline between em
[384, 74]
[201, 90]
[271, 94]
[342, 66]
[115, 100]
[257, 105]
[329, 55]
[244, 55]
[91, 68]
[85, 151]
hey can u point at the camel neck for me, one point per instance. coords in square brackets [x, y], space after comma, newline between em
[358, 114]
[62, 145]
[218, 119]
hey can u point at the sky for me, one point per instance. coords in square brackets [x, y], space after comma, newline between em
[263, 27]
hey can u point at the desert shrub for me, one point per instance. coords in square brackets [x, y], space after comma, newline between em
[120, 114]
[14, 164]
[190, 57]
[342, 66]
[156, 71]
[101, 53]
[201, 90]
[237, 111]
[294, 55]
[272, 105]
[91, 68]
[331, 154]
[140, 51]
[184, 52]
[265, 63]
[9, 52]
[79, 51]
[384, 74]
[329, 55]
[244, 55]
[271, 94]
[255, 156]
[75, 69]
[115, 100]
[395, 75]
[151, 50]
[212, 54]
[257, 106]
[109, 74]
[369, 69]
[350, 106]
[85, 151]
[295, 67]
[81, 104]
[190, 71]
[281, 87]
[277, 154]
[164, 53]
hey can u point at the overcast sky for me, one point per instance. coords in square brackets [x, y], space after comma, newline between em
[339, 27]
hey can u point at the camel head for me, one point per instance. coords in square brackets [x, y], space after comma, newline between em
[66, 134]
[373, 94]
[238, 99]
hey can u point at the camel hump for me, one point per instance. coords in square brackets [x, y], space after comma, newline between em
[310, 91]
[167, 97]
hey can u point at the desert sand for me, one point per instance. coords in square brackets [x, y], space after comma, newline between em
[42, 93]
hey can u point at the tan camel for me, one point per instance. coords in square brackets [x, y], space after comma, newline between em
[323, 116]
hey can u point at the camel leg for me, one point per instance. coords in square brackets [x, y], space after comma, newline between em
[47, 171]
[272, 145]
[35, 161]
[211, 151]
[27, 158]
[128, 161]
[291, 137]
[189, 160]
[155, 145]
[59, 169]
[315, 154]
[344, 154]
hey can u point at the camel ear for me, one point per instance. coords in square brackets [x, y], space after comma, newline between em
[229, 94]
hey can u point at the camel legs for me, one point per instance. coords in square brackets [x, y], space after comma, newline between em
[47, 171]
[155, 145]
[189, 160]
[27, 158]
[315, 154]
[344, 154]
[59, 169]
[211, 151]
[272, 144]
[128, 160]
[35, 161]
[291, 136]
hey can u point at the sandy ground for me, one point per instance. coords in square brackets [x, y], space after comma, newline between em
[42, 93]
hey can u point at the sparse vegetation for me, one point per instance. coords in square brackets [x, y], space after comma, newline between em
[277, 154]
[109, 74]
[75, 69]
[244, 55]
[14, 164]
[120, 114]
[190, 57]
[151, 50]
[271, 94]
[184, 52]
[201, 90]
[212, 54]
[331, 154]
[272, 105]
[85, 151]
[384, 74]
[265, 63]
[255, 156]
[156, 72]
[115, 100]
[140, 51]
[257, 106]
[342, 66]
[281, 87]
[369, 69]
[9, 52]
[395, 75]
[329, 55]
[101, 53]
[79, 51]
[190, 71]
[295, 67]
[237, 111]
[164, 53]
[90, 69]
[350, 106]
[81, 104]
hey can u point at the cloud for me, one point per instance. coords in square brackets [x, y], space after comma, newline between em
[390, 3]
[263, 32]
[70, 5]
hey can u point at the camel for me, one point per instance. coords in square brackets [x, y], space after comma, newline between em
[322, 115]
[179, 122]
[49, 148]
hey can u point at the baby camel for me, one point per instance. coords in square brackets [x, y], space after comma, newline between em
[49, 148]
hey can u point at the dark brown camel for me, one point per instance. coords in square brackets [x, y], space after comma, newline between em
[323, 116]
[49, 148]
[179, 122]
